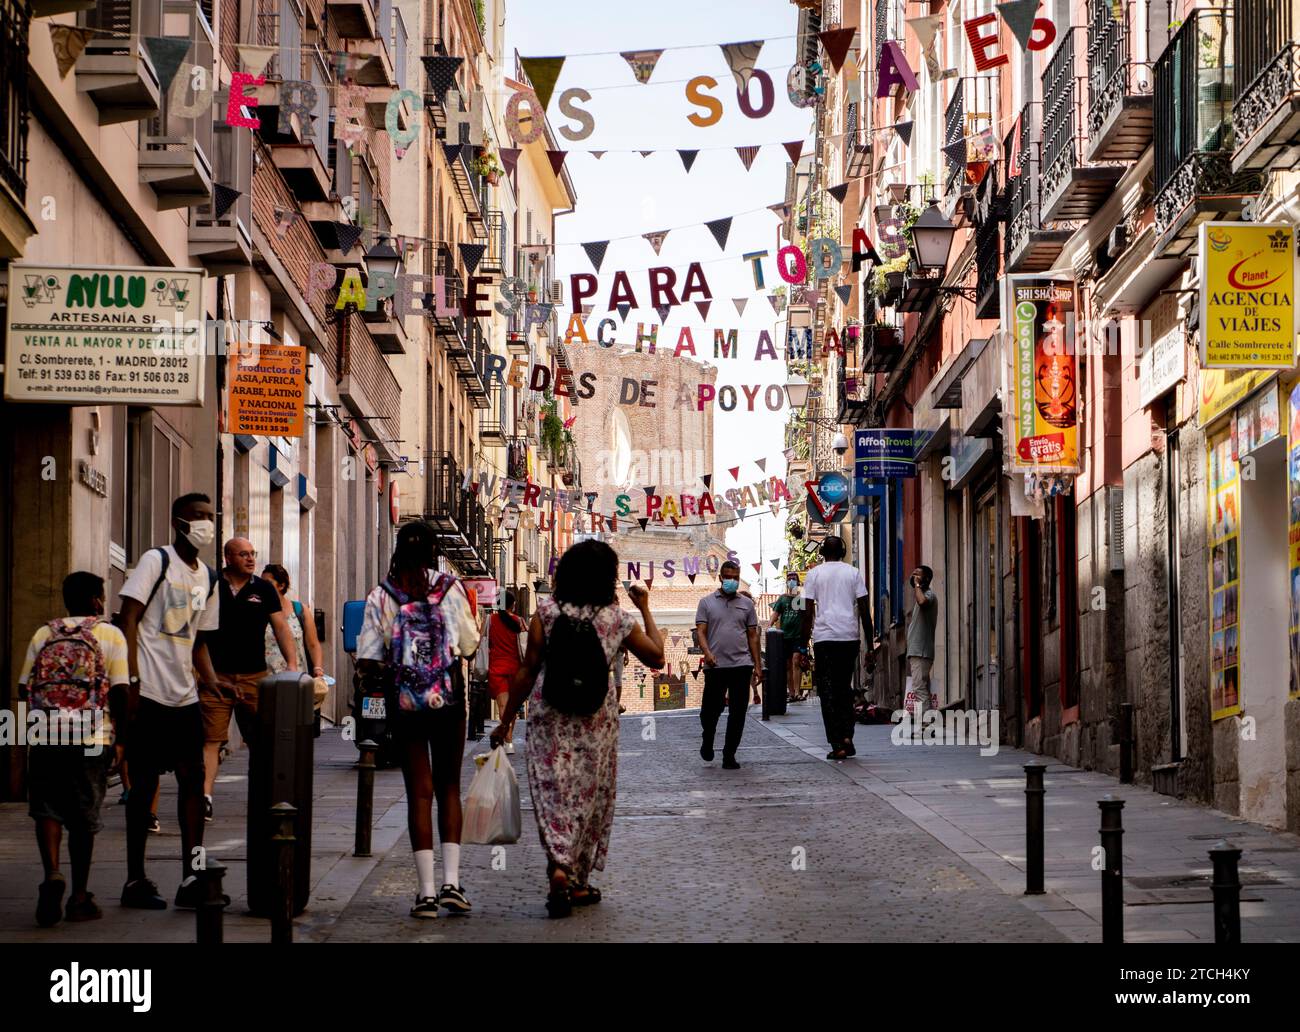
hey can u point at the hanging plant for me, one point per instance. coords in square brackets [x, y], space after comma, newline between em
[487, 166]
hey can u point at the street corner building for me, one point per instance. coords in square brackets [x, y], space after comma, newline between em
[244, 247]
[1072, 292]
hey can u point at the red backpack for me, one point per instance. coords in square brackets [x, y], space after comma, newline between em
[69, 671]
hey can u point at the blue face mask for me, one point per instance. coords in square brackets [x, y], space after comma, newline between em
[730, 585]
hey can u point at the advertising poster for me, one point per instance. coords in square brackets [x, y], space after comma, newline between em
[1223, 511]
[1046, 374]
[267, 389]
[100, 335]
[885, 452]
[1293, 531]
[1248, 287]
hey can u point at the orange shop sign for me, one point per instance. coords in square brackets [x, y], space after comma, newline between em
[267, 389]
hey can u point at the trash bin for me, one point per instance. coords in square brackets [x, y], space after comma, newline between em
[774, 678]
[280, 771]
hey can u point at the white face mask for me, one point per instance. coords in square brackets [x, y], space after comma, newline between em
[201, 533]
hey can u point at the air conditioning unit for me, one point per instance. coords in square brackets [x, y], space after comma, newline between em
[1115, 529]
[1117, 241]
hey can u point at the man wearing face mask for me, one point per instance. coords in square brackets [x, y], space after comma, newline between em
[787, 614]
[726, 627]
[168, 606]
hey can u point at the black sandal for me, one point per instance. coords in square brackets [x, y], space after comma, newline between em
[585, 896]
[559, 902]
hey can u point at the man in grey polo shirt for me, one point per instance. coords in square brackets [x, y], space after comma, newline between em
[726, 627]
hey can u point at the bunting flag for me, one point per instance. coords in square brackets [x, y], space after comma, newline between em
[735, 473]
[556, 157]
[587, 310]
[795, 149]
[255, 57]
[758, 567]
[627, 584]
[703, 307]
[1013, 159]
[852, 86]
[691, 577]
[775, 301]
[781, 210]
[776, 563]
[721, 229]
[837, 43]
[904, 131]
[649, 490]
[707, 478]
[223, 197]
[662, 311]
[747, 155]
[597, 154]
[284, 218]
[509, 159]
[761, 464]
[642, 63]
[839, 192]
[166, 55]
[68, 43]
[622, 310]
[471, 255]
[740, 513]
[656, 239]
[1019, 16]
[956, 153]
[740, 303]
[986, 145]
[675, 638]
[646, 153]
[596, 252]
[452, 151]
[440, 74]
[688, 157]
[643, 520]
[843, 291]
[346, 235]
[542, 72]
[741, 58]
[789, 455]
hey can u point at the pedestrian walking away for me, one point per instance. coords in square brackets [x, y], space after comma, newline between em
[726, 627]
[417, 626]
[504, 657]
[71, 667]
[787, 614]
[249, 606]
[170, 607]
[920, 638]
[572, 741]
[303, 630]
[835, 603]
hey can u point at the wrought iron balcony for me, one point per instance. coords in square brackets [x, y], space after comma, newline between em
[1120, 110]
[1029, 245]
[15, 98]
[1194, 177]
[988, 246]
[1072, 188]
[492, 262]
[113, 70]
[457, 516]
[492, 423]
[471, 367]
[1266, 107]
[969, 114]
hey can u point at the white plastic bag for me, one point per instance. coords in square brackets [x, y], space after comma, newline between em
[492, 807]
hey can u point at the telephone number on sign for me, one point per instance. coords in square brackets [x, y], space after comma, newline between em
[97, 375]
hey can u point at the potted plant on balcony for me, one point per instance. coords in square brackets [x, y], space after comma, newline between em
[487, 166]
[532, 293]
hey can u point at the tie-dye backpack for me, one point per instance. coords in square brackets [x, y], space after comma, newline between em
[420, 657]
[69, 671]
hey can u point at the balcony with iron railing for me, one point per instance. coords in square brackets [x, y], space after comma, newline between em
[1119, 83]
[1194, 177]
[15, 98]
[1029, 245]
[968, 115]
[114, 70]
[1072, 187]
[457, 516]
[493, 261]
[354, 19]
[1266, 103]
[988, 247]
[473, 372]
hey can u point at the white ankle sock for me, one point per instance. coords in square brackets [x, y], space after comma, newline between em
[451, 863]
[424, 871]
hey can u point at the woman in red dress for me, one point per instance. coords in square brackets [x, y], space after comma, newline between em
[504, 658]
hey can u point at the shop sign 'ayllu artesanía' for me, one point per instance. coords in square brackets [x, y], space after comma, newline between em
[1248, 295]
[1042, 313]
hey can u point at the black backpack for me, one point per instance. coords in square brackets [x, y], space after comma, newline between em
[577, 670]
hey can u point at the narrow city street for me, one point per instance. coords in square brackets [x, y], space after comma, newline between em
[902, 843]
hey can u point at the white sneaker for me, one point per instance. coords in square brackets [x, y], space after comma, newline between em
[510, 748]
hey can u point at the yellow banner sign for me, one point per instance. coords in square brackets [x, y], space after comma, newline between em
[1248, 293]
[267, 390]
[1222, 390]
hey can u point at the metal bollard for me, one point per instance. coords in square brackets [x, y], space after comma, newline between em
[208, 915]
[365, 798]
[1226, 887]
[1112, 875]
[282, 815]
[1126, 743]
[1034, 793]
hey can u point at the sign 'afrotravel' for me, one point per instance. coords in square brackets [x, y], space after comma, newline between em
[1248, 291]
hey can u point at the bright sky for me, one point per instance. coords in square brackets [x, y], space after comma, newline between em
[624, 194]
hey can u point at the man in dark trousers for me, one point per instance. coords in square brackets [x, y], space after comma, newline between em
[727, 629]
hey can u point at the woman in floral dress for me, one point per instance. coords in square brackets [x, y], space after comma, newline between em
[573, 760]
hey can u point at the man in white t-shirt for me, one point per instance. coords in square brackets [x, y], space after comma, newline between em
[168, 604]
[835, 603]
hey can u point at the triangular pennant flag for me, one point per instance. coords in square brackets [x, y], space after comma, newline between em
[781, 210]
[166, 55]
[596, 252]
[740, 59]
[346, 235]
[837, 43]
[642, 63]
[588, 309]
[735, 473]
[68, 43]
[556, 158]
[627, 584]
[843, 291]
[761, 464]
[904, 130]
[643, 520]
[509, 159]
[675, 638]
[775, 507]
[656, 238]
[646, 153]
[956, 152]
[471, 255]
[691, 577]
[721, 229]
[542, 73]
[255, 57]
[649, 490]
[795, 149]
[440, 74]
[747, 155]
[622, 310]
[597, 154]
[1019, 16]
[663, 311]
[688, 157]
[223, 197]
[452, 150]
[284, 218]
[839, 192]
[740, 303]
[925, 28]
[775, 300]
[758, 567]
[776, 563]
[708, 481]
[740, 513]
[704, 307]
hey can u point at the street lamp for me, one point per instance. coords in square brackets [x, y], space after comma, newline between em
[796, 391]
[932, 239]
[382, 259]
